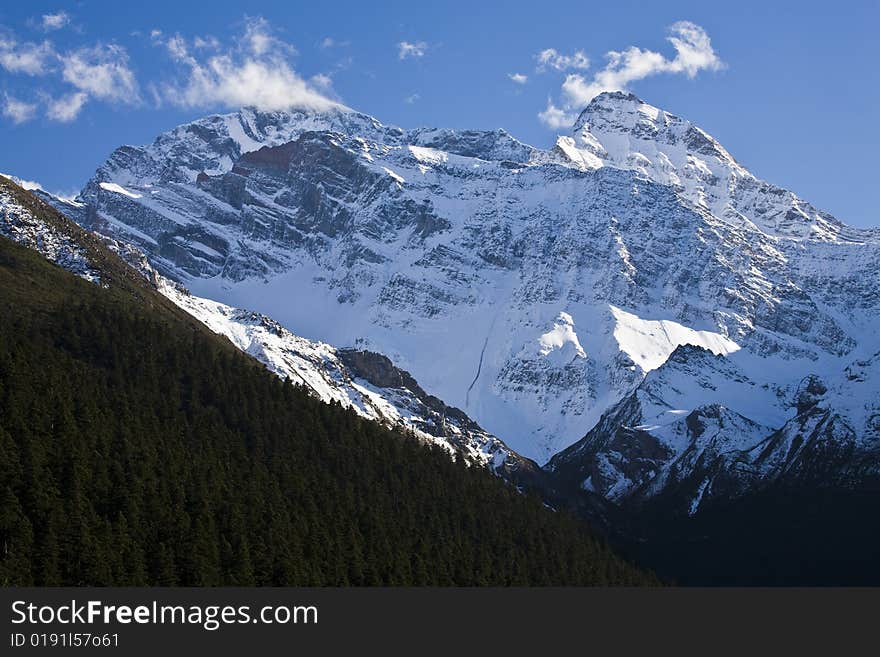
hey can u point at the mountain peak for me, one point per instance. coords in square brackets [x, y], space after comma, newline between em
[612, 116]
[618, 113]
[612, 106]
[620, 130]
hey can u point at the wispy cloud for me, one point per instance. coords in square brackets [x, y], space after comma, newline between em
[519, 78]
[28, 58]
[322, 81]
[101, 72]
[18, 111]
[411, 99]
[255, 70]
[693, 53]
[206, 43]
[330, 42]
[552, 58]
[67, 107]
[56, 21]
[95, 72]
[405, 49]
[259, 39]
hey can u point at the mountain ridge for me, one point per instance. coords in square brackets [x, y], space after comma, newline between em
[534, 289]
[329, 374]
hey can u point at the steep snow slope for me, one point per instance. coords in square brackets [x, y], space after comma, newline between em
[534, 289]
[364, 381]
[649, 343]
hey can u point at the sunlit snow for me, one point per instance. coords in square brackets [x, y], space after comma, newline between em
[119, 189]
[650, 342]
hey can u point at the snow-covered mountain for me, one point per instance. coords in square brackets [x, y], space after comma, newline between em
[364, 381]
[703, 426]
[544, 292]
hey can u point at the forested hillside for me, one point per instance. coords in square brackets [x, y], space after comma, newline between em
[137, 448]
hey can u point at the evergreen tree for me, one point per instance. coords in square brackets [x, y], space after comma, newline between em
[138, 448]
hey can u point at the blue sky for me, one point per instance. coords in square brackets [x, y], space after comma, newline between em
[791, 89]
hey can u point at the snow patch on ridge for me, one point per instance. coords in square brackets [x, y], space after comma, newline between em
[236, 131]
[118, 189]
[396, 176]
[429, 155]
[649, 342]
[582, 158]
[560, 344]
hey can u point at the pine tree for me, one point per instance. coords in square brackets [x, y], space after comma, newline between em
[146, 450]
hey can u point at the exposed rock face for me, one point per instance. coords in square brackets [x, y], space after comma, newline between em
[364, 381]
[536, 290]
[654, 442]
[431, 416]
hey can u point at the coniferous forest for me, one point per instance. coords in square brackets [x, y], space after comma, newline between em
[137, 448]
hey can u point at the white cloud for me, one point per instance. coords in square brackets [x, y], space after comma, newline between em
[208, 42]
[258, 37]
[330, 42]
[255, 71]
[410, 100]
[177, 48]
[693, 50]
[225, 81]
[18, 111]
[55, 21]
[66, 108]
[28, 58]
[552, 58]
[322, 81]
[406, 49]
[155, 94]
[101, 72]
[555, 117]
[519, 78]
[693, 53]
